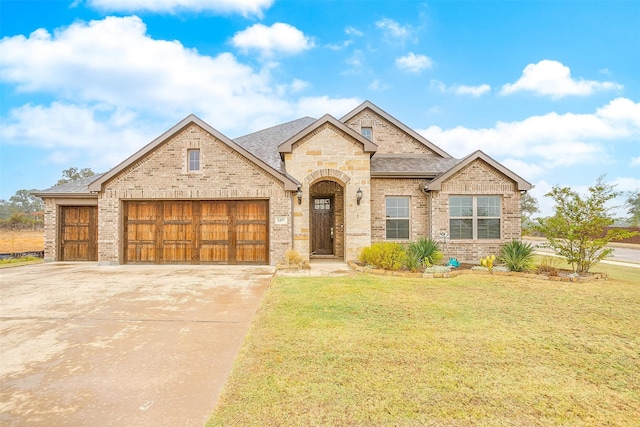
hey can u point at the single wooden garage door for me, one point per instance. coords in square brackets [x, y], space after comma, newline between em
[196, 232]
[79, 233]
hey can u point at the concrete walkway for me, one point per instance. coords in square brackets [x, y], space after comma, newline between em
[320, 267]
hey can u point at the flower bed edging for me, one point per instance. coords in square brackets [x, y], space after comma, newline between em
[454, 273]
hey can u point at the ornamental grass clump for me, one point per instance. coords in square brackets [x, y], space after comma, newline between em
[517, 255]
[426, 251]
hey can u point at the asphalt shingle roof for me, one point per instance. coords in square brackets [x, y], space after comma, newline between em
[411, 164]
[79, 186]
[264, 143]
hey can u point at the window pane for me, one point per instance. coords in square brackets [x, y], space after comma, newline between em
[488, 228]
[194, 160]
[397, 207]
[489, 206]
[460, 206]
[397, 229]
[461, 228]
[366, 132]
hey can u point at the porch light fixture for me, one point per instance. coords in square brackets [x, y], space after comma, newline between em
[358, 196]
[299, 195]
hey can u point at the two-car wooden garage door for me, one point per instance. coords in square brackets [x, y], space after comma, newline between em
[196, 232]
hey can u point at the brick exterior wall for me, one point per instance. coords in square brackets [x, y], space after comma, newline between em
[388, 137]
[50, 230]
[419, 203]
[477, 178]
[162, 174]
[328, 154]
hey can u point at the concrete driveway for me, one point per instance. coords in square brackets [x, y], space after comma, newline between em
[125, 345]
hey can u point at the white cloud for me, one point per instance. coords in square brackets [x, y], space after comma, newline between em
[635, 161]
[476, 91]
[321, 105]
[102, 134]
[392, 30]
[414, 63]
[378, 85]
[244, 7]
[278, 38]
[114, 62]
[552, 78]
[626, 184]
[352, 31]
[547, 141]
[472, 90]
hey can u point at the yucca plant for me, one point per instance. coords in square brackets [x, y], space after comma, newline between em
[517, 255]
[426, 250]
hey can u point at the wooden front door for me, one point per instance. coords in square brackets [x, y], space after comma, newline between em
[322, 222]
[197, 232]
[79, 233]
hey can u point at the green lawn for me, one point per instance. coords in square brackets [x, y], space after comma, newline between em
[472, 350]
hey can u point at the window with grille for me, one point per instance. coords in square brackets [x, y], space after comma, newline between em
[474, 217]
[397, 218]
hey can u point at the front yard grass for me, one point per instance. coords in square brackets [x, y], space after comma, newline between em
[470, 350]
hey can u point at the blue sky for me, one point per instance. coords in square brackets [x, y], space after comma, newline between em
[551, 89]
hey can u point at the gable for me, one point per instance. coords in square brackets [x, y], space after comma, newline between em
[389, 134]
[476, 173]
[189, 133]
[327, 122]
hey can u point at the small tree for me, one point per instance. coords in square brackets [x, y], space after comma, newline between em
[528, 207]
[73, 174]
[633, 207]
[577, 229]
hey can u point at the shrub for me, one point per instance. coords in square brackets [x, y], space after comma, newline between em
[426, 250]
[387, 255]
[412, 261]
[293, 258]
[548, 265]
[517, 255]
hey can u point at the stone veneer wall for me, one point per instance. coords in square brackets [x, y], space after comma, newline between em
[477, 178]
[162, 174]
[419, 220]
[388, 137]
[330, 154]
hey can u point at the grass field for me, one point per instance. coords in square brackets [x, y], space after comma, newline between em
[472, 350]
[21, 241]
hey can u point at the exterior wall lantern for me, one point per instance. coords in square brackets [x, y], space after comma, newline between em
[299, 195]
[358, 196]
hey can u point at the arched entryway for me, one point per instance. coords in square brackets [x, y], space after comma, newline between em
[326, 219]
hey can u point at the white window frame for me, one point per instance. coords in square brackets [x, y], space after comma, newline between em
[370, 131]
[397, 218]
[489, 211]
[190, 162]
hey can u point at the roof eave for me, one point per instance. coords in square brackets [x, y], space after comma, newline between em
[46, 195]
[420, 175]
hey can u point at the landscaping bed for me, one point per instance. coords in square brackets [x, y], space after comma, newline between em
[561, 275]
